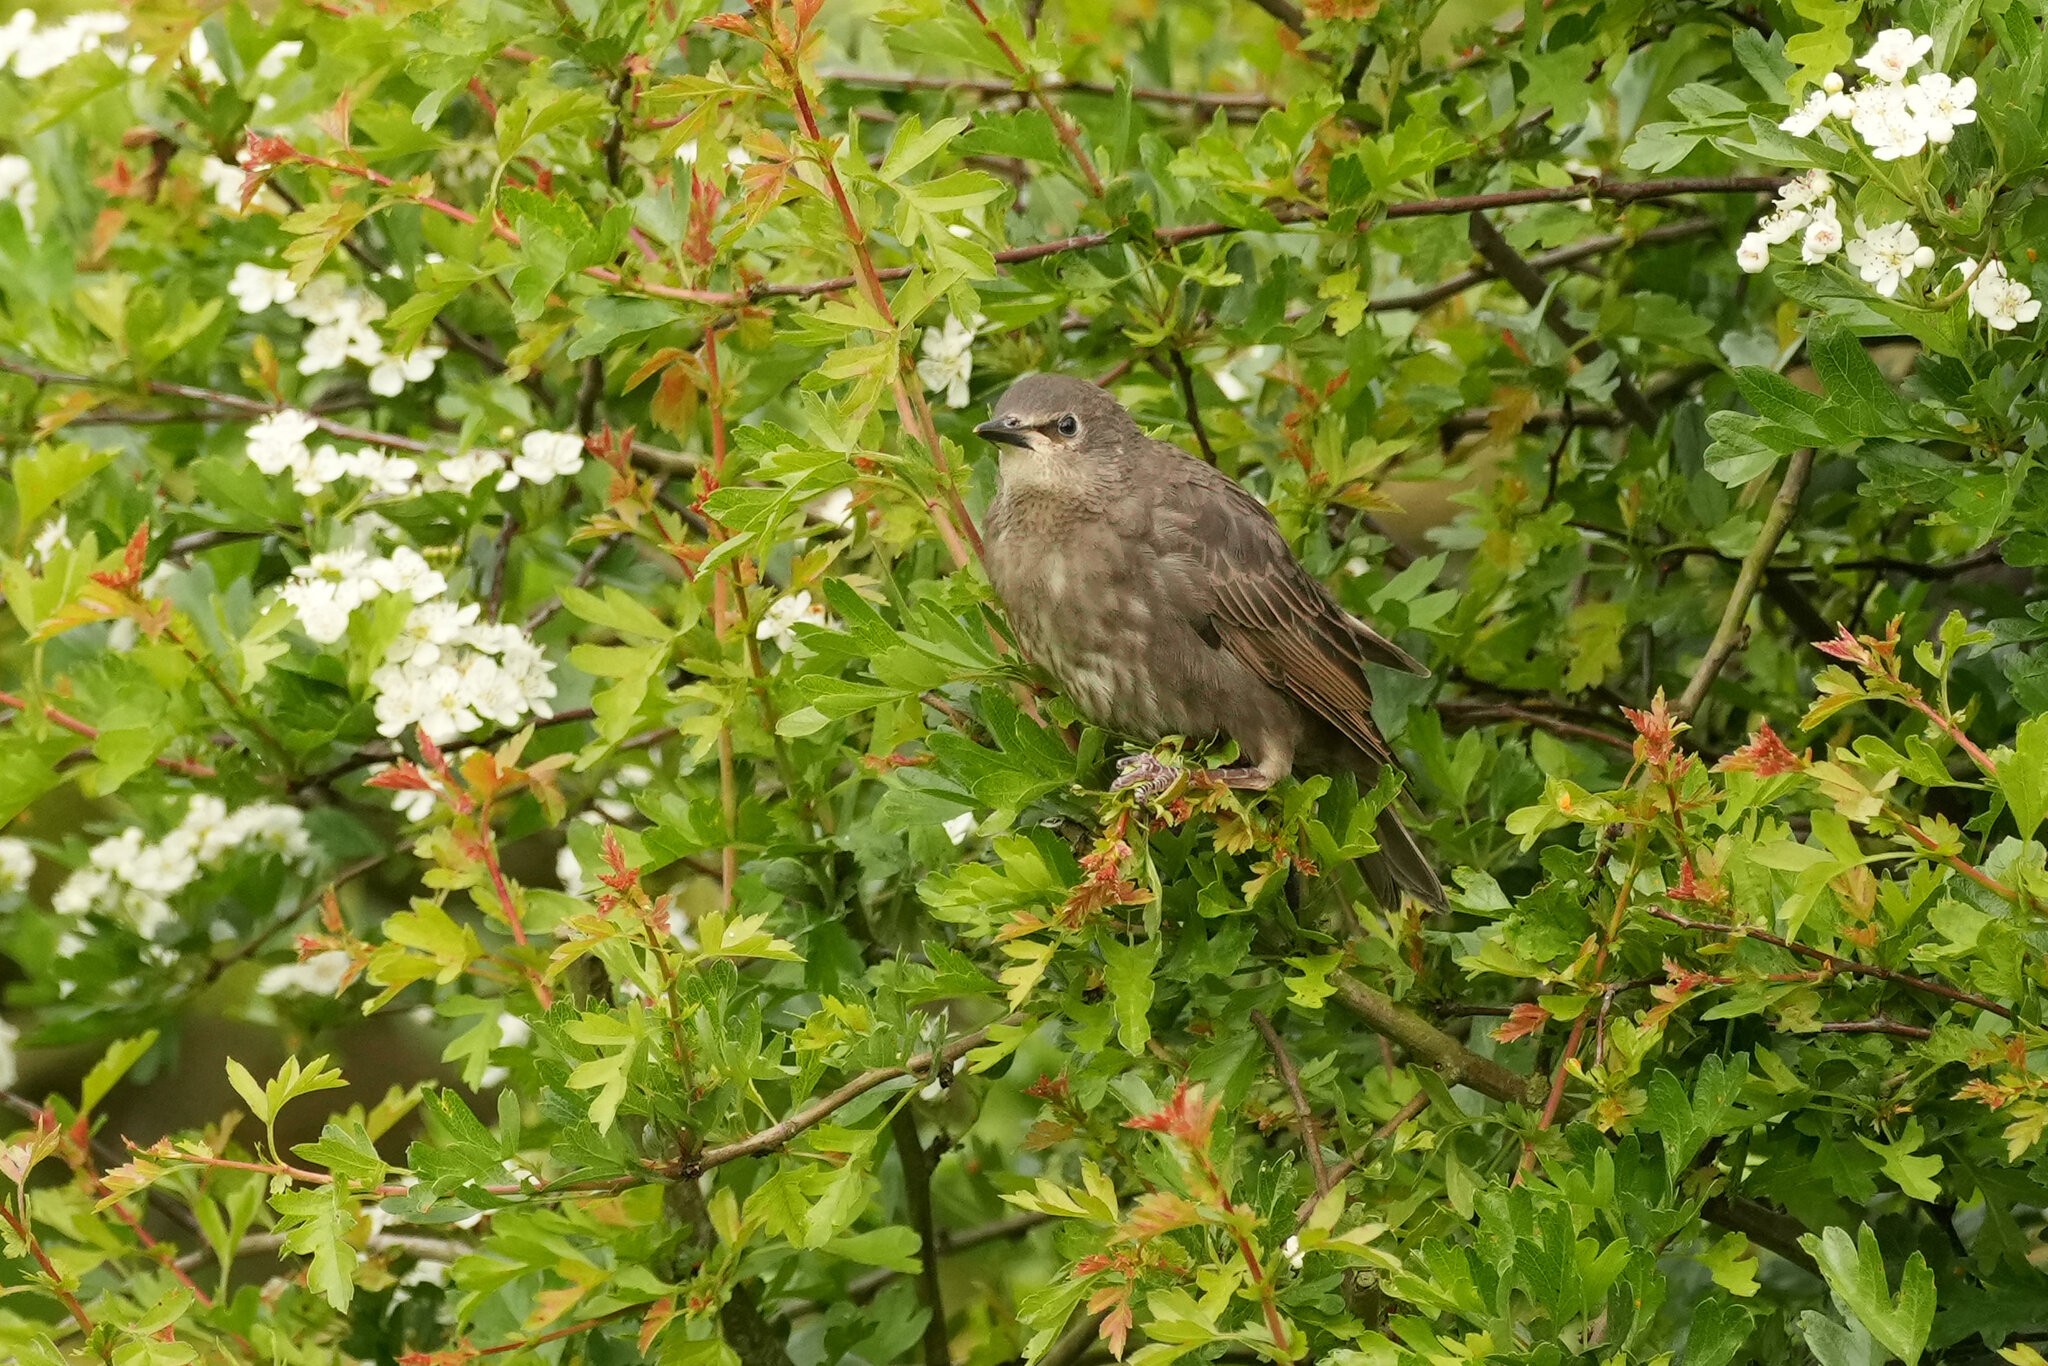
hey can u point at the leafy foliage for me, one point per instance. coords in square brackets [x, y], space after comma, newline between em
[496, 627]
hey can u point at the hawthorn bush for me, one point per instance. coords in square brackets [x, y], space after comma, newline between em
[527, 838]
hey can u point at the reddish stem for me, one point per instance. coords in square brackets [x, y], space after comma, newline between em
[191, 768]
[35, 1248]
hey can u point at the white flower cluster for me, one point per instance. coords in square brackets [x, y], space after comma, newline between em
[1804, 206]
[277, 445]
[1895, 118]
[18, 185]
[342, 316]
[31, 49]
[447, 673]
[325, 590]
[130, 876]
[17, 866]
[543, 458]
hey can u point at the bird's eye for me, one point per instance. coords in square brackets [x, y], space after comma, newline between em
[1068, 425]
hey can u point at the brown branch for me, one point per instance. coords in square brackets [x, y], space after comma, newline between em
[1476, 713]
[1186, 378]
[1511, 267]
[1880, 1025]
[249, 947]
[1555, 259]
[1147, 94]
[1290, 18]
[917, 1198]
[1414, 1106]
[1845, 967]
[1457, 1064]
[1311, 1139]
[818, 1111]
[56, 1285]
[1728, 635]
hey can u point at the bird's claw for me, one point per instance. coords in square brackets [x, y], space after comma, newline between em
[1145, 776]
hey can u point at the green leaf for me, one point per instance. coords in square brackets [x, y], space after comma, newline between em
[1685, 1125]
[46, 474]
[1855, 1273]
[114, 1064]
[1716, 1331]
[2023, 775]
[1128, 973]
[1744, 447]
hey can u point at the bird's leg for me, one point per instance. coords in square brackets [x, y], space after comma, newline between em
[1242, 777]
[1145, 775]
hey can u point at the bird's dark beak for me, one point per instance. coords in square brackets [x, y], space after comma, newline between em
[1003, 434]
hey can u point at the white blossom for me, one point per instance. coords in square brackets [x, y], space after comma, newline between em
[35, 50]
[280, 56]
[10, 1068]
[960, 827]
[948, 360]
[1805, 190]
[1823, 235]
[199, 56]
[455, 673]
[225, 181]
[569, 871]
[18, 185]
[1885, 256]
[543, 457]
[55, 536]
[256, 288]
[1885, 120]
[1942, 105]
[1291, 1250]
[131, 875]
[1997, 298]
[389, 376]
[1754, 253]
[1894, 53]
[17, 865]
[513, 1032]
[465, 471]
[320, 975]
[1801, 122]
[784, 613]
[277, 442]
[405, 570]
[429, 629]
[833, 509]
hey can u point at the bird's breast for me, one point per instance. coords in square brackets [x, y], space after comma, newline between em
[1085, 610]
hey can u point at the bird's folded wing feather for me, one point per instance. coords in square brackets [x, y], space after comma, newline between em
[1272, 614]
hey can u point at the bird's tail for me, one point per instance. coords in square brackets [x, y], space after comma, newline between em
[1400, 865]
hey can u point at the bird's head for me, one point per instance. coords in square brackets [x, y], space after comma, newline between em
[1058, 417]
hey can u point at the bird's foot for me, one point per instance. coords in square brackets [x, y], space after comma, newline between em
[1145, 776]
[1242, 777]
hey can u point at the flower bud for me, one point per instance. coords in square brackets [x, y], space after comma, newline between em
[1832, 83]
[1923, 258]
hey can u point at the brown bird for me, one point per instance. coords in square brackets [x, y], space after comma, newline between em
[1163, 599]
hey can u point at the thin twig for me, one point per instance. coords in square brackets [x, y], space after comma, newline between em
[1187, 394]
[1414, 1106]
[1728, 635]
[1250, 100]
[818, 1111]
[1528, 282]
[1311, 1138]
[1846, 967]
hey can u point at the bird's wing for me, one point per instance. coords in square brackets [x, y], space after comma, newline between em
[1270, 612]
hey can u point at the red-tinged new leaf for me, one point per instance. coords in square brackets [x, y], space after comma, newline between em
[1766, 755]
[1159, 1212]
[1188, 1117]
[1525, 1019]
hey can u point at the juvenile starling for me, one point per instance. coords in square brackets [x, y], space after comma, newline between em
[1163, 599]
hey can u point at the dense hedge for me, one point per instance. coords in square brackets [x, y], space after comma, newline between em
[527, 836]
